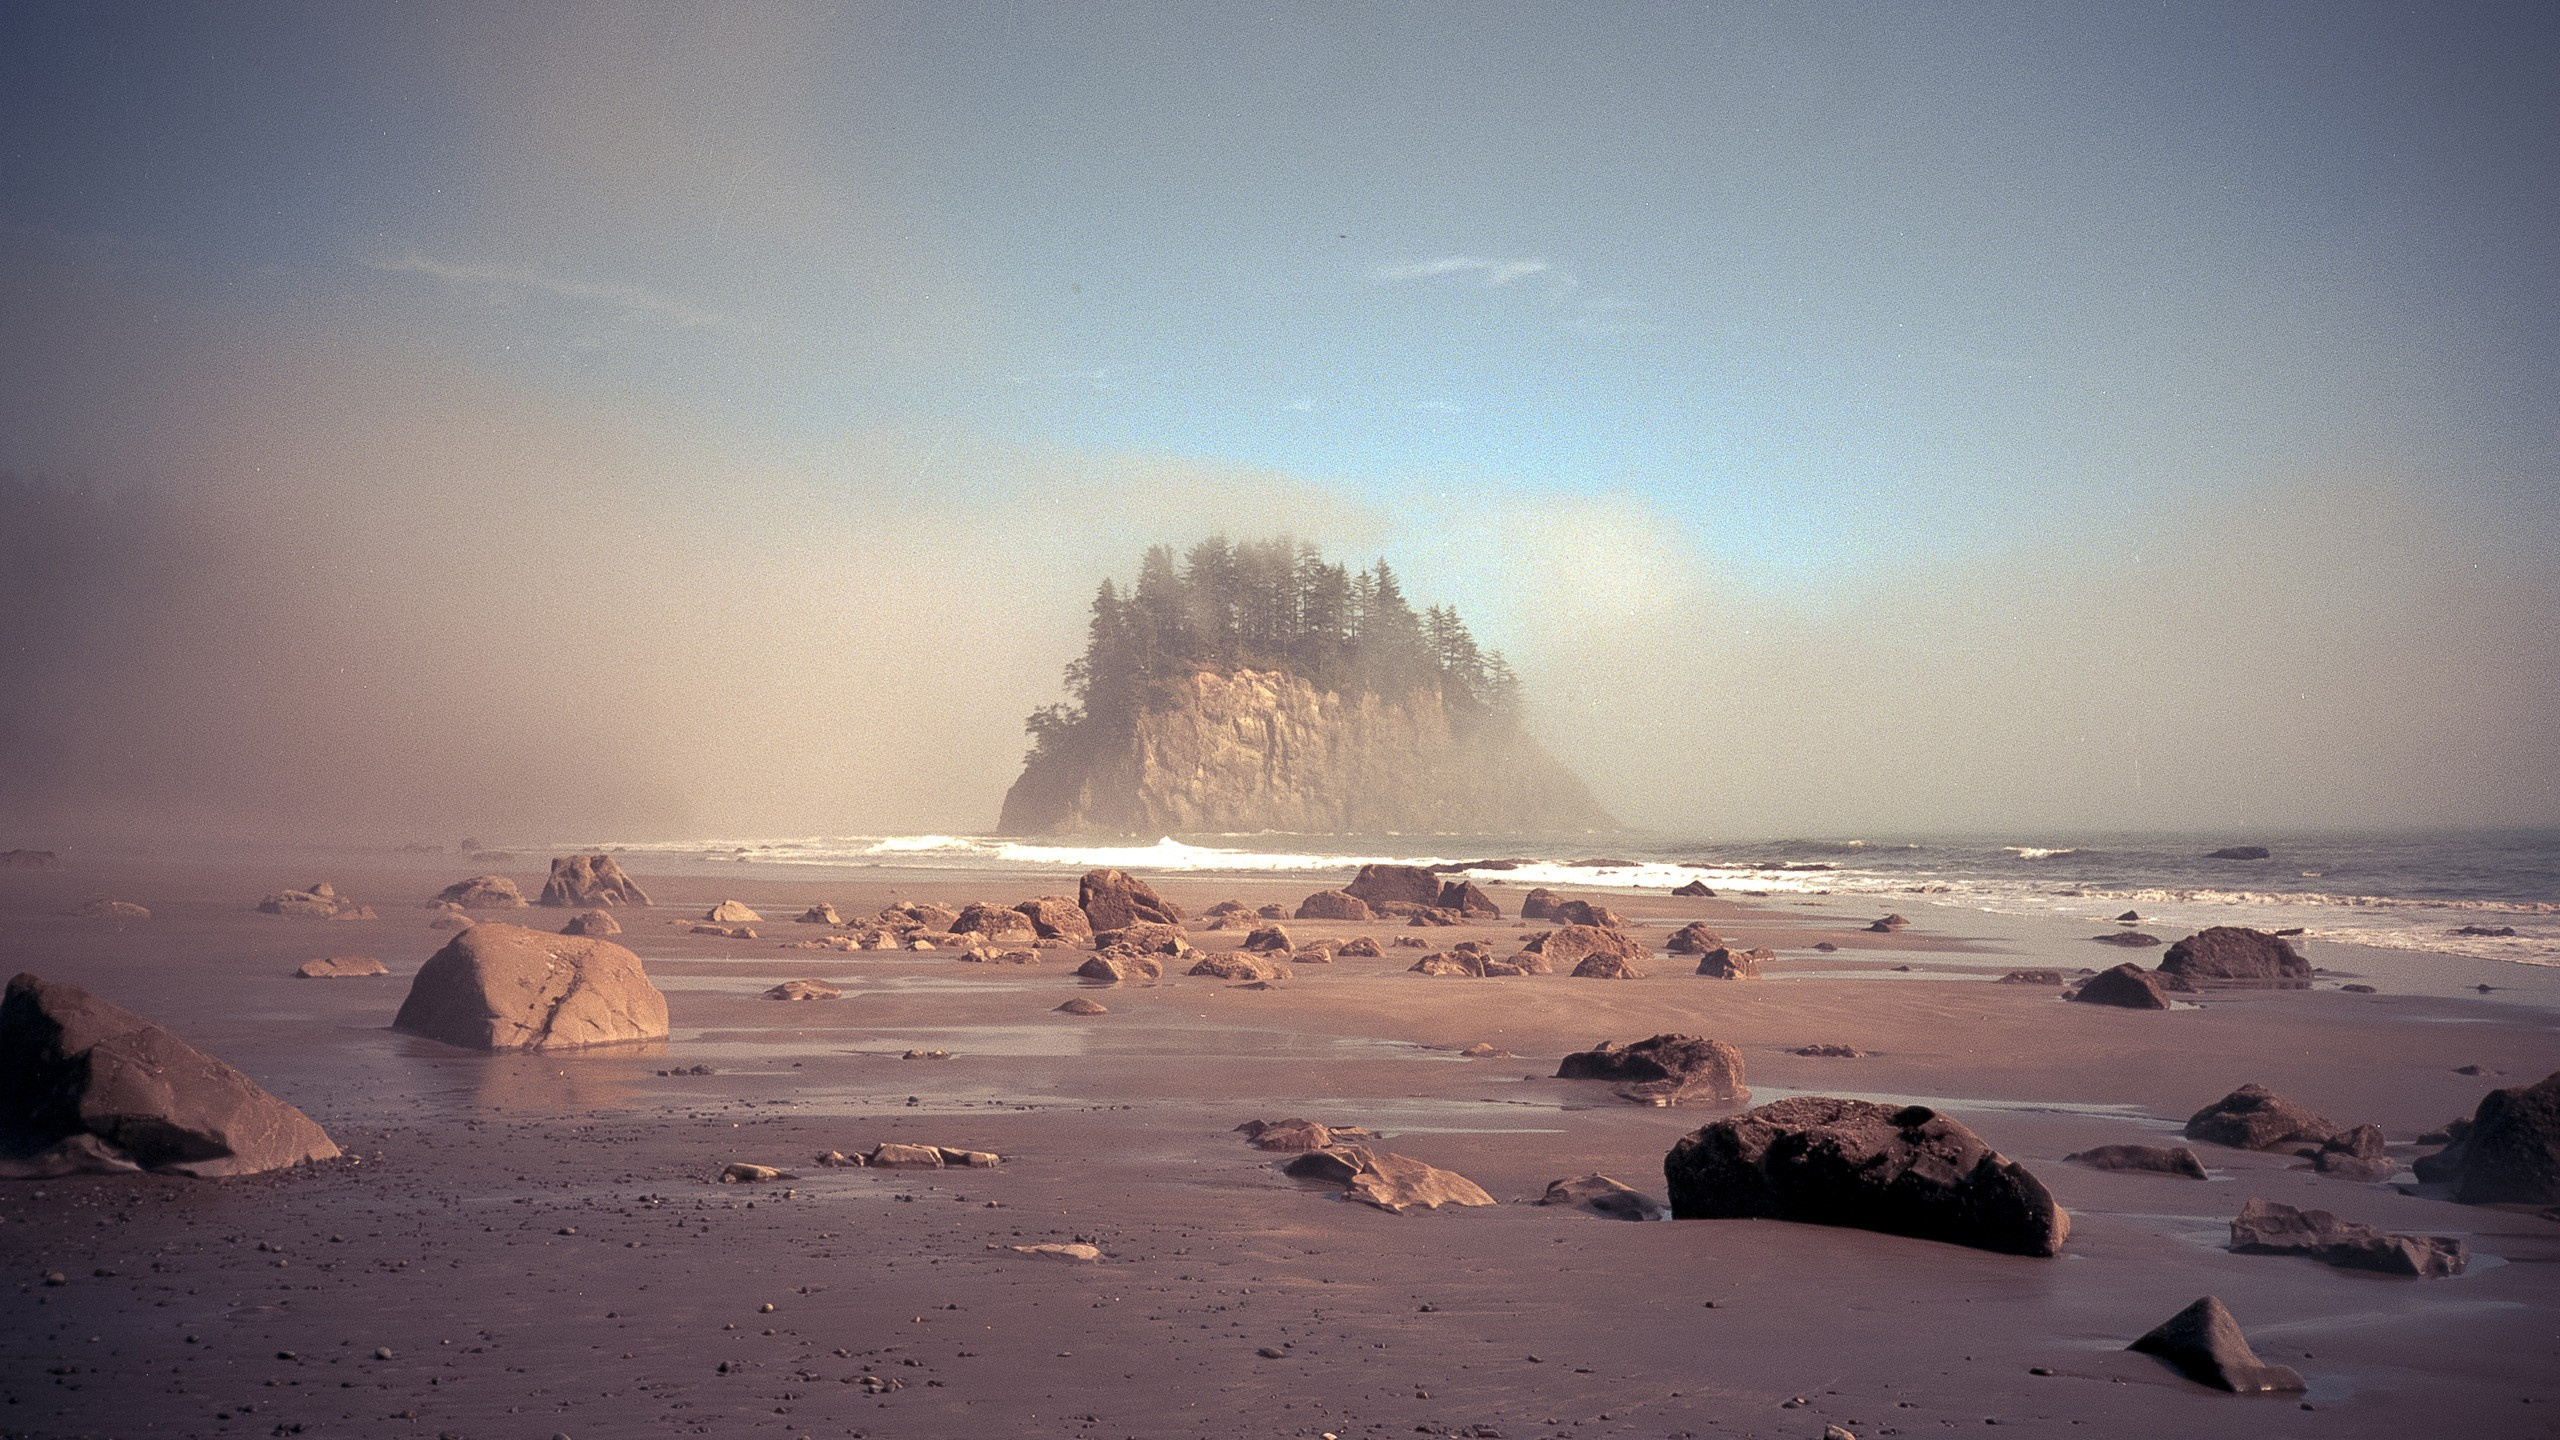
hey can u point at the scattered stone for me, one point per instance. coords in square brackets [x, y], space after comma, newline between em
[2509, 1153]
[1334, 905]
[1393, 1183]
[1825, 946]
[341, 967]
[2205, 1344]
[1830, 1052]
[2050, 978]
[822, 913]
[1406, 884]
[2129, 918]
[1889, 924]
[2127, 986]
[1268, 939]
[1602, 1195]
[2238, 852]
[1694, 890]
[1724, 963]
[2355, 1154]
[505, 987]
[2147, 1159]
[2237, 955]
[1829, 1161]
[2130, 939]
[2253, 1118]
[86, 1086]
[598, 923]
[731, 912]
[482, 892]
[1664, 1069]
[1057, 917]
[1081, 1006]
[591, 880]
[1693, 938]
[804, 990]
[103, 909]
[1114, 900]
[2264, 1227]
[1046, 1250]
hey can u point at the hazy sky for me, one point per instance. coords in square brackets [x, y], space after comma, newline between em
[585, 420]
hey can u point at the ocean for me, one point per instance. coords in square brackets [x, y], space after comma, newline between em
[2425, 891]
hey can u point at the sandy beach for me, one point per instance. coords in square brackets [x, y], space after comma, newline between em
[536, 1245]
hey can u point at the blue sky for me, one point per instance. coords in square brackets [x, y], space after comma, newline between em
[1823, 297]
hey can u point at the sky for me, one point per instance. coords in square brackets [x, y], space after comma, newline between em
[633, 422]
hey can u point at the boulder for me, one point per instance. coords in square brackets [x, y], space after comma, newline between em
[1153, 938]
[2127, 986]
[897, 1155]
[1394, 1183]
[1693, 938]
[450, 917]
[1470, 902]
[1694, 890]
[1225, 908]
[2238, 852]
[731, 912]
[2236, 955]
[1236, 965]
[1447, 964]
[1268, 939]
[2355, 1154]
[1081, 1006]
[1122, 967]
[1273, 912]
[1363, 948]
[804, 990]
[1334, 905]
[2130, 939]
[341, 967]
[821, 913]
[1829, 1161]
[320, 902]
[592, 922]
[1603, 1196]
[740, 1172]
[2205, 1344]
[2509, 1151]
[1583, 912]
[1829, 1051]
[1297, 1136]
[1115, 900]
[591, 880]
[2147, 1159]
[1056, 917]
[1606, 967]
[1571, 944]
[482, 892]
[86, 1085]
[996, 922]
[1890, 924]
[1426, 915]
[2253, 1118]
[1388, 884]
[1723, 963]
[2129, 918]
[1539, 904]
[505, 987]
[2264, 1227]
[919, 915]
[1663, 1069]
[103, 909]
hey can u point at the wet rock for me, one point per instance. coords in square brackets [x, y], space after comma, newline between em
[804, 990]
[2130, 939]
[1602, 1195]
[2129, 918]
[1236, 965]
[1724, 963]
[821, 913]
[1268, 939]
[2509, 1153]
[1115, 900]
[1056, 917]
[86, 1085]
[1694, 890]
[1889, 924]
[2205, 1344]
[482, 892]
[1663, 1068]
[341, 967]
[2238, 852]
[505, 987]
[2127, 987]
[1122, 967]
[599, 923]
[2238, 956]
[2253, 1118]
[591, 880]
[1469, 902]
[1334, 905]
[1386, 884]
[1391, 1182]
[1693, 938]
[1082, 1006]
[2355, 1154]
[2146, 1159]
[2264, 1227]
[104, 909]
[1829, 1161]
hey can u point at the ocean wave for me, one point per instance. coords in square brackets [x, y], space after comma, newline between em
[2038, 852]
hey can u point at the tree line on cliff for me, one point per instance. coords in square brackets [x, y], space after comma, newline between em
[1274, 604]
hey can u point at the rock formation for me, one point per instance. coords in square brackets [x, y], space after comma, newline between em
[1723, 963]
[1383, 885]
[731, 912]
[1664, 1068]
[2206, 1346]
[598, 923]
[504, 987]
[996, 922]
[2264, 1227]
[86, 1085]
[2253, 1118]
[2149, 1159]
[2236, 955]
[482, 892]
[2127, 986]
[1602, 1195]
[1334, 905]
[2509, 1152]
[1693, 938]
[1115, 900]
[1572, 944]
[1055, 917]
[1828, 1161]
[591, 880]
[1394, 1183]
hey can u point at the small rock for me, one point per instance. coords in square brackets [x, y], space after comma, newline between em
[2205, 1343]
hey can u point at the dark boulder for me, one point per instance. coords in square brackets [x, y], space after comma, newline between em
[2031, 977]
[996, 922]
[86, 1085]
[2355, 1154]
[1693, 938]
[1380, 885]
[591, 880]
[1889, 925]
[2148, 1159]
[2206, 1346]
[1606, 967]
[1114, 900]
[1829, 1161]
[592, 922]
[505, 987]
[2236, 955]
[1122, 967]
[2130, 939]
[2253, 1118]
[1539, 904]
[2264, 1227]
[1055, 917]
[2127, 986]
[1694, 890]
[1463, 897]
[1664, 1068]
[2509, 1151]
[1268, 939]
[1334, 905]
[1725, 963]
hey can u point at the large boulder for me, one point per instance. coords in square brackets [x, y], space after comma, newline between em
[505, 987]
[1115, 900]
[1695, 889]
[2254, 1118]
[591, 880]
[1663, 1069]
[2510, 1151]
[1381, 885]
[1268, 940]
[2264, 1227]
[2127, 986]
[482, 892]
[2237, 955]
[1723, 963]
[1606, 967]
[996, 922]
[1547, 905]
[1463, 897]
[1334, 905]
[1394, 1183]
[1693, 938]
[1573, 944]
[1055, 917]
[2206, 1346]
[86, 1085]
[1829, 1161]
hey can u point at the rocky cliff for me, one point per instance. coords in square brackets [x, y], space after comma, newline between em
[1265, 750]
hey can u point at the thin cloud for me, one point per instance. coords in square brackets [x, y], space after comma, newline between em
[630, 299]
[1493, 273]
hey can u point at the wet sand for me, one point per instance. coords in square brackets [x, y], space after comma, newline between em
[538, 1244]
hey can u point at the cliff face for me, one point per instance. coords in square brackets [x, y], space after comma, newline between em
[1260, 750]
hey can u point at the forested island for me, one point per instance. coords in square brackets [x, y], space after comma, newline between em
[1258, 686]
